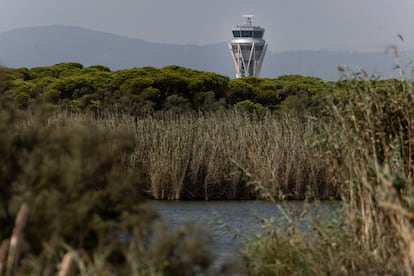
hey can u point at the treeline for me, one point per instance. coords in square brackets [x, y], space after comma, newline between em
[137, 91]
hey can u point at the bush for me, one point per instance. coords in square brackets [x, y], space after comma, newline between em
[66, 173]
[250, 107]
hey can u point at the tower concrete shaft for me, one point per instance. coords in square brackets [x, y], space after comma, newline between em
[247, 48]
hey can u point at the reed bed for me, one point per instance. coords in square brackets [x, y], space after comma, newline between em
[378, 168]
[224, 155]
[371, 156]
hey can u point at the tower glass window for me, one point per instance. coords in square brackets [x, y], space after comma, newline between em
[236, 33]
[258, 34]
[247, 33]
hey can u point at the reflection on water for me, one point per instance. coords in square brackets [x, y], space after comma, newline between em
[232, 222]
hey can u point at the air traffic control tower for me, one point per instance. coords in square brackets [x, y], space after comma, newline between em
[247, 48]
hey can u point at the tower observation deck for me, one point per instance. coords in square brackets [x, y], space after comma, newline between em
[247, 48]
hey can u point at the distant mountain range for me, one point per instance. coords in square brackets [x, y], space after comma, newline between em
[48, 45]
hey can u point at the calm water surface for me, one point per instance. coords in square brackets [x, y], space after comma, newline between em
[232, 222]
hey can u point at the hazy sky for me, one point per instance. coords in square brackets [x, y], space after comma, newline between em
[290, 24]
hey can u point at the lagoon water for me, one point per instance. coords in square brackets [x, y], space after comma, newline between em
[231, 223]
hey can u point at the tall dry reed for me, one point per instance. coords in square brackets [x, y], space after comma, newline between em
[370, 153]
[219, 155]
[377, 166]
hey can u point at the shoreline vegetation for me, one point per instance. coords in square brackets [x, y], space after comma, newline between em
[88, 146]
[223, 155]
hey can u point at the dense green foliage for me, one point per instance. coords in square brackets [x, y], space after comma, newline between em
[55, 168]
[138, 91]
[141, 90]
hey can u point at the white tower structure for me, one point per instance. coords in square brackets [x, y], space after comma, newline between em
[247, 48]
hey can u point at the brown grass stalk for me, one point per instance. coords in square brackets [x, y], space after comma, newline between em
[67, 265]
[190, 156]
[3, 255]
[17, 240]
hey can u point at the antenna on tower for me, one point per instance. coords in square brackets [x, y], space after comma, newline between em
[248, 19]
